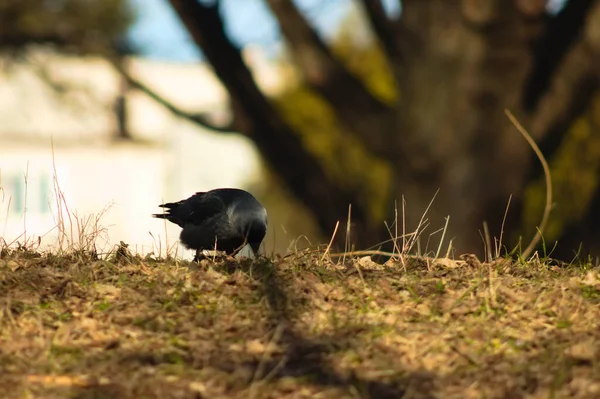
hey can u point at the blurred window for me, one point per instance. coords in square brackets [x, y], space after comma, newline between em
[17, 194]
[45, 194]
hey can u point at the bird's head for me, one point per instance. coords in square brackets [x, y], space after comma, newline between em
[253, 226]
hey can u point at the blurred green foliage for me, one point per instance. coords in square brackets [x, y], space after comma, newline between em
[575, 177]
[342, 156]
[367, 60]
[82, 26]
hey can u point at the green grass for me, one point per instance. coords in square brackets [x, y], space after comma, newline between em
[72, 326]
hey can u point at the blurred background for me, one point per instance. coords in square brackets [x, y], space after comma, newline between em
[311, 105]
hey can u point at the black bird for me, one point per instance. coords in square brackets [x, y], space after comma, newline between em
[225, 219]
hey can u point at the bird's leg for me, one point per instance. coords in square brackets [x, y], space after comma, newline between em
[197, 256]
[238, 249]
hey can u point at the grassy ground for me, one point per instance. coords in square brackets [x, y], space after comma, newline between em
[75, 327]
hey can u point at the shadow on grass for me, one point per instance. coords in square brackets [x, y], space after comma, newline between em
[308, 357]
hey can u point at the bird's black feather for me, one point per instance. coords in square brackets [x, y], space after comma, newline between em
[224, 218]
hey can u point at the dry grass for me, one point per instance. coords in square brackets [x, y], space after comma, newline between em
[127, 327]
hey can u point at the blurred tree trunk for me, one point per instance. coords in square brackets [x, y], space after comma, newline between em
[457, 66]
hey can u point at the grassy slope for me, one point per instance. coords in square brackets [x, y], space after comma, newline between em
[72, 327]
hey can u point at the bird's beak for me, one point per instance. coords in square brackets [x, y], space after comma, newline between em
[255, 248]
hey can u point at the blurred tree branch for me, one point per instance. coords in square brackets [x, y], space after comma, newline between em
[329, 77]
[568, 88]
[574, 83]
[194, 118]
[567, 83]
[79, 26]
[383, 27]
[559, 35]
[15, 42]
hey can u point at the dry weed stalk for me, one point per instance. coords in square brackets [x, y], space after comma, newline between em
[498, 243]
[330, 242]
[548, 207]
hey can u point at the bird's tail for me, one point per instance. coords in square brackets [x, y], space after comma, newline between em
[169, 206]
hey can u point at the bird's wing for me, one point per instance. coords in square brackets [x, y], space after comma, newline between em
[199, 208]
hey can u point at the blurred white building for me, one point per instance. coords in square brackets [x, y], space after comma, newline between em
[58, 117]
